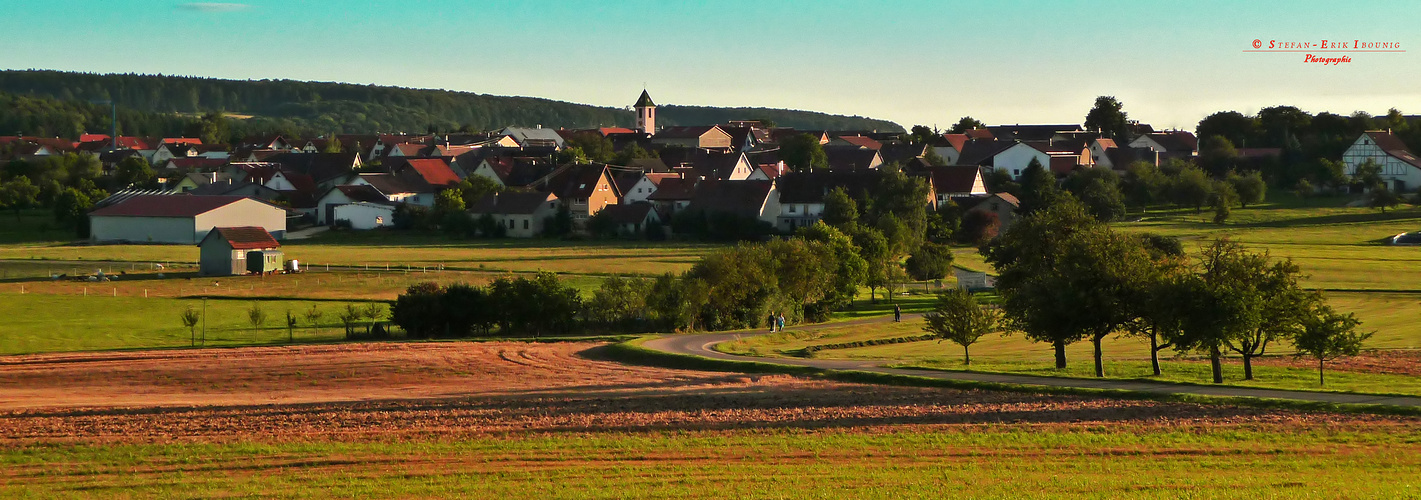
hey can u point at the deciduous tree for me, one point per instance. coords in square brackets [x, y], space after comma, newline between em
[958, 318]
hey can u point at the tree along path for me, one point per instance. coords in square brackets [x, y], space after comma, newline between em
[700, 345]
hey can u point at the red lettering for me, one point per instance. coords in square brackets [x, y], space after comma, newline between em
[1270, 44]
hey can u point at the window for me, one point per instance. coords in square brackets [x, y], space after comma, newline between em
[1015, 172]
[379, 221]
[525, 223]
[791, 208]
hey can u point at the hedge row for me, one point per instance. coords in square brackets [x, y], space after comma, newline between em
[809, 351]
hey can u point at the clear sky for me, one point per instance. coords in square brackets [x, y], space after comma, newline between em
[913, 62]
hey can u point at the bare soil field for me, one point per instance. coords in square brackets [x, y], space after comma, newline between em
[398, 390]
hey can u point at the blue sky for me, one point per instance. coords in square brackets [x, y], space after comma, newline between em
[913, 62]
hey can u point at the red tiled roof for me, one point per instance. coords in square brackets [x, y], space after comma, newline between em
[244, 238]
[434, 171]
[861, 141]
[179, 141]
[980, 133]
[166, 206]
[93, 137]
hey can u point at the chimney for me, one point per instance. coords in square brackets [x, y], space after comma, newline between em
[540, 126]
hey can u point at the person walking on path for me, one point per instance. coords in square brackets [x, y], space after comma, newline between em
[772, 322]
[897, 314]
[782, 321]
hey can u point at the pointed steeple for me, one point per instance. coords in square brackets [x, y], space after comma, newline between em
[645, 101]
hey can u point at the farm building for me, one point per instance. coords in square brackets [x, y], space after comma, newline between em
[364, 215]
[181, 219]
[521, 214]
[230, 251]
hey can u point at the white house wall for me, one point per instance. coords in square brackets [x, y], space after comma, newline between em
[1393, 169]
[1016, 158]
[364, 216]
[246, 212]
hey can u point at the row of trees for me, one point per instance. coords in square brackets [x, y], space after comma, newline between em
[1066, 277]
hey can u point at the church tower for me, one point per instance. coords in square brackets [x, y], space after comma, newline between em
[645, 114]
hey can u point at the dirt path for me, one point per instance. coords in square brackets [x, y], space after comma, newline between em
[700, 345]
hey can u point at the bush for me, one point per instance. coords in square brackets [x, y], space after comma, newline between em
[979, 227]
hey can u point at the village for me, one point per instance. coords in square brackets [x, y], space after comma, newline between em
[535, 182]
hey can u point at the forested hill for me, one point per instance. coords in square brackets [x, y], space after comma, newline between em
[295, 107]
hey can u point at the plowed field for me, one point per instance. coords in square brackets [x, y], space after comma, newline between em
[366, 391]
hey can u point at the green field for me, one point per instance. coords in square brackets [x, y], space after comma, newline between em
[1009, 461]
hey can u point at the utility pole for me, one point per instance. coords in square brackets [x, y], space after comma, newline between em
[204, 320]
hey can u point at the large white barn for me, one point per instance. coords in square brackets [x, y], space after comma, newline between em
[1401, 169]
[182, 219]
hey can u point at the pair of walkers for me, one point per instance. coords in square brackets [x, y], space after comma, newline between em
[776, 322]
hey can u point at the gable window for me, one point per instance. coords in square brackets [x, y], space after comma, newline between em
[791, 208]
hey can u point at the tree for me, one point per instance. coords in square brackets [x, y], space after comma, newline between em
[290, 326]
[997, 180]
[333, 144]
[930, 262]
[943, 223]
[1099, 190]
[631, 152]
[1325, 335]
[1064, 277]
[256, 316]
[1304, 190]
[1038, 188]
[1368, 175]
[1108, 118]
[852, 269]
[348, 317]
[979, 227]
[1250, 187]
[803, 153]
[595, 146]
[190, 318]
[1191, 188]
[840, 210]
[1231, 125]
[921, 134]
[1282, 304]
[1155, 297]
[965, 124]
[1217, 155]
[19, 194]
[1222, 198]
[958, 318]
[372, 311]
[475, 187]
[133, 171]
[560, 223]
[572, 155]
[1222, 301]
[313, 318]
[873, 247]
[1383, 198]
[1143, 185]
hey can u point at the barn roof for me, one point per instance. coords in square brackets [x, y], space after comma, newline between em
[166, 206]
[243, 238]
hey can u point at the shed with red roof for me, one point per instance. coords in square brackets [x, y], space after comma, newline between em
[227, 251]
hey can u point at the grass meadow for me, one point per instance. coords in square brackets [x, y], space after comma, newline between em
[1010, 461]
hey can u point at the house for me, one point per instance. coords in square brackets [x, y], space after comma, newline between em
[520, 214]
[1120, 159]
[183, 219]
[847, 159]
[197, 164]
[409, 150]
[633, 219]
[337, 196]
[195, 180]
[951, 183]
[226, 251]
[949, 146]
[1030, 132]
[673, 194]
[645, 185]
[535, 137]
[705, 136]
[1400, 168]
[1174, 144]
[584, 189]
[1002, 204]
[326, 169]
[748, 199]
[1060, 158]
[394, 189]
[801, 194]
[857, 141]
[725, 167]
[365, 215]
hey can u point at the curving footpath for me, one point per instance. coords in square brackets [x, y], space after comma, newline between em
[700, 345]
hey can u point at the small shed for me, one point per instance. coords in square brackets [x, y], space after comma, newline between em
[225, 251]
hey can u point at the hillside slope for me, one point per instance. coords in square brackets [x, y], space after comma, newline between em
[321, 107]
